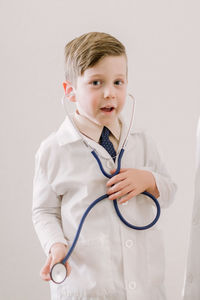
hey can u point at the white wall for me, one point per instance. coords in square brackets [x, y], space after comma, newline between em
[162, 39]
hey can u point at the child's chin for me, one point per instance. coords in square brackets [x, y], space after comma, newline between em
[108, 121]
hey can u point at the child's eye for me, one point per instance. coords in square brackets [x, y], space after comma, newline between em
[96, 82]
[118, 82]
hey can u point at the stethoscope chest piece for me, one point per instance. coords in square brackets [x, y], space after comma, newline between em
[58, 273]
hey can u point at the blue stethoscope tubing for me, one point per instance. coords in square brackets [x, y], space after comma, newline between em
[115, 206]
[114, 203]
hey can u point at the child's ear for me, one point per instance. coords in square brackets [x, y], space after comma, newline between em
[69, 91]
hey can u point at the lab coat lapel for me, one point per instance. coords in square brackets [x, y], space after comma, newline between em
[66, 133]
[100, 150]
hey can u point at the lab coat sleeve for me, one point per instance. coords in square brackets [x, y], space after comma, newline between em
[46, 209]
[153, 163]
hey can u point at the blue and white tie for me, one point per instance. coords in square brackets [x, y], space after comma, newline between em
[106, 143]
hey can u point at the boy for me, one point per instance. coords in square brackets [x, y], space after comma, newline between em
[110, 261]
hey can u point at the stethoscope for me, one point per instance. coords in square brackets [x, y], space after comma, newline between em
[58, 272]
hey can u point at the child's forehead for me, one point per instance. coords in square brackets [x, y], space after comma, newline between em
[116, 65]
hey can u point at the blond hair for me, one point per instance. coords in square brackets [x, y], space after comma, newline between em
[85, 51]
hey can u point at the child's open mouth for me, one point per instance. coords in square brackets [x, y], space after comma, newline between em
[107, 109]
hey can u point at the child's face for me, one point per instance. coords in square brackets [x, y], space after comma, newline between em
[101, 91]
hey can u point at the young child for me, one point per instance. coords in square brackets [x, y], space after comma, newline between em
[110, 260]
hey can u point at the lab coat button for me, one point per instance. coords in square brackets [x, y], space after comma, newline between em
[129, 243]
[132, 285]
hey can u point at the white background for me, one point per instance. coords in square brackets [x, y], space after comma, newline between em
[162, 41]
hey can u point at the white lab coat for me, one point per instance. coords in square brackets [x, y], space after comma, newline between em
[192, 282]
[110, 260]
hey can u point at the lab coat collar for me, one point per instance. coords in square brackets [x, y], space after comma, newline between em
[66, 133]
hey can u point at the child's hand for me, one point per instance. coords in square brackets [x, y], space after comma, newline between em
[131, 182]
[57, 253]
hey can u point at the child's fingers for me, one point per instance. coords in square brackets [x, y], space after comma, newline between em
[115, 179]
[128, 196]
[126, 190]
[44, 272]
[55, 257]
[118, 187]
[58, 259]
[68, 268]
[112, 171]
[121, 171]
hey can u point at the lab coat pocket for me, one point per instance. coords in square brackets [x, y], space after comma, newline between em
[90, 268]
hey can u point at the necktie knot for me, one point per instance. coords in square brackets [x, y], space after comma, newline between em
[106, 143]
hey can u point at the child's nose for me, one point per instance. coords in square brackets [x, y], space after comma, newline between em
[109, 92]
